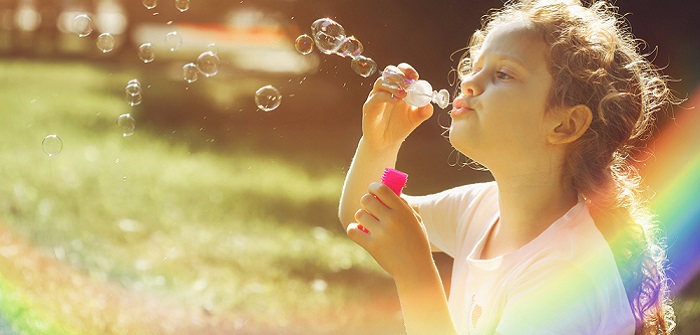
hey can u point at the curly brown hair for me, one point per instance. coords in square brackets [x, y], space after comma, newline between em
[595, 61]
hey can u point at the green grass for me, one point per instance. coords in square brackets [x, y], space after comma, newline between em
[232, 231]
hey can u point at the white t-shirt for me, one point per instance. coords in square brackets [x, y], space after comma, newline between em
[565, 281]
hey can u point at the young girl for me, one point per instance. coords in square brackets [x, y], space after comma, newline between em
[554, 100]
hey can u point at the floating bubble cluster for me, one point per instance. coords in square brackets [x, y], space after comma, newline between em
[418, 92]
[133, 92]
[126, 124]
[147, 53]
[105, 42]
[52, 145]
[268, 98]
[82, 25]
[330, 38]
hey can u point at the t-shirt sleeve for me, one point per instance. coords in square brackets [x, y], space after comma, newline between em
[443, 214]
[561, 301]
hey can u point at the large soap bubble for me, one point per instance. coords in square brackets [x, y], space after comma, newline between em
[328, 35]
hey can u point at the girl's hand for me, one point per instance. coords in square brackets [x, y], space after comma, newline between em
[397, 239]
[386, 119]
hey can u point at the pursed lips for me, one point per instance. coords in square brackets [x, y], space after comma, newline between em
[460, 107]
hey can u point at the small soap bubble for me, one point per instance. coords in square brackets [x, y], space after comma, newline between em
[328, 35]
[173, 40]
[52, 145]
[147, 53]
[134, 81]
[208, 63]
[213, 48]
[126, 124]
[182, 5]
[134, 99]
[364, 66]
[150, 4]
[304, 44]
[133, 92]
[351, 46]
[268, 98]
[105, 42]
[190, 72]
[82, 25]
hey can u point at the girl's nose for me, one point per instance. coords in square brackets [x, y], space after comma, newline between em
[470, 86]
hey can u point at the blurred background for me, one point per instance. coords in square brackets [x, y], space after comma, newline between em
[214, 216]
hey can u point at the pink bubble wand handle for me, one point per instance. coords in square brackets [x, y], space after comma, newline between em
[396, 181]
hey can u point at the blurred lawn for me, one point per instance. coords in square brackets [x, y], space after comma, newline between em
[229, 231]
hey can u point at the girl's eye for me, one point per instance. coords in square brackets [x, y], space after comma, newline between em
[503, 76]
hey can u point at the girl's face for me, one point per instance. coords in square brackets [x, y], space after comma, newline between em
[498, 118]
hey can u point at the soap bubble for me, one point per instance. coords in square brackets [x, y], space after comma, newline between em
[146, 53]
[52, 145]
[150, 4]
[364, 66]
[328, 35]
[208, 63]
[105, 42]
[173, 40]
[213, 48]
[182, 5]
[126, 124]
[304, 44]
[82, 25]
[133, 92]
[351, 46]
[268, 98]
[190, 72]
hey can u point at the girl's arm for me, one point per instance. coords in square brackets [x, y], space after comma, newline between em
[367, 166]
[386, 122]
[399, 243]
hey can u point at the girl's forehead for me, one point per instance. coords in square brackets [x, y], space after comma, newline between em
[516, 39]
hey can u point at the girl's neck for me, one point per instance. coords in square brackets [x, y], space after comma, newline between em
[529, 203]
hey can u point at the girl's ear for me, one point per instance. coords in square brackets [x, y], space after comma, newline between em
[569, 124]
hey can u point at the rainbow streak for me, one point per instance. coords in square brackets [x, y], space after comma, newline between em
[674, 173]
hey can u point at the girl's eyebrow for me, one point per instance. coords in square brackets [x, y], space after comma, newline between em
[502, 57]
[512, 60]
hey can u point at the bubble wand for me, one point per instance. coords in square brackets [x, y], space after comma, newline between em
[418, 92]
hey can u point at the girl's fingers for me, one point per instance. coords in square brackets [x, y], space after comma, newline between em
[366, 218]
[389, 85]
[408, 71]
[384, 195]
[358, 234]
